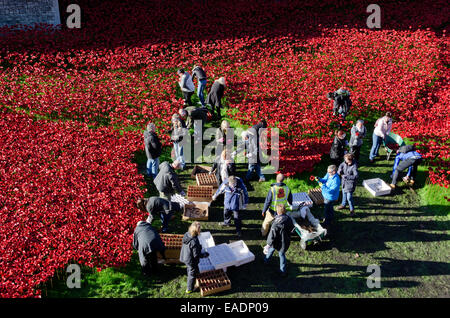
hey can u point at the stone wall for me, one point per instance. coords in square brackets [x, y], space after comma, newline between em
[29, 12]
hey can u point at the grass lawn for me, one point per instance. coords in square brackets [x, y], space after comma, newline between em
[406, 233]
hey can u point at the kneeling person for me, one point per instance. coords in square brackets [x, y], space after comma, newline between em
[156, 206]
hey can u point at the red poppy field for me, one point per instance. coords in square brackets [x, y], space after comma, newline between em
[73, 104]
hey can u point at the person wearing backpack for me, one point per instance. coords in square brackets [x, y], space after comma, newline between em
[190, 254]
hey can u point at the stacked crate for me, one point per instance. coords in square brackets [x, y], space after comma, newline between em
[173, 243]
[316, 196]
[200, 193]
[206, 179]
[213, 282]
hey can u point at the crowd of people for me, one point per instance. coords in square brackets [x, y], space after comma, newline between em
[277, 212]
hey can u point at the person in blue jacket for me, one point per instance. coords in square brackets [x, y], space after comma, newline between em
[235, 199]
[407, 157]
[330, 184]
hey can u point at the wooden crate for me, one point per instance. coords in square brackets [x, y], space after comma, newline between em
[201, 214]
[206, 179]
[173, 243]
[213, 282]
[316, 196]
[200, 193]
[200, 169]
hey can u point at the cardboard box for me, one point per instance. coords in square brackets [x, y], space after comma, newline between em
[173, 243]
[196, 211]
[377, 187]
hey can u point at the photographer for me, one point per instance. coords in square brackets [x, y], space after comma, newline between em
[341, 102]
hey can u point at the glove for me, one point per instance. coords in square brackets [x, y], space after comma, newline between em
[206, 254]
[214, 198]
[182, 193]
[233, 154]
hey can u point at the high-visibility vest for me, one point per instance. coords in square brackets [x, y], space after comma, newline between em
[280, 196]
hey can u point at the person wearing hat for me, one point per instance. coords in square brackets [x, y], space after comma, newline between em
[187, 86]
[337, 150]
[156, 206]
[215, 95]
[147, 242]
[198, 72]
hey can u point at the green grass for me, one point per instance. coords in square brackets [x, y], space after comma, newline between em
[406, 233]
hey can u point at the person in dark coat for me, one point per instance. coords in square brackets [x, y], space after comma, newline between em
[191, 252]
[280, 237]
[407, 157]
[348, 171]
[147, 242]
[337, 150]
[198, 72]
[215, 95]
[191, 114]
[156, 206]
[167, 182]
[153, 149]
[254, 162]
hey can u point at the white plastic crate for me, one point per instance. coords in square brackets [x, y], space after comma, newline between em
[205, 265]
[206, 240]
[301, 199]
[221, 256]
[242, 253]
[377, 187]
[180, 199]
